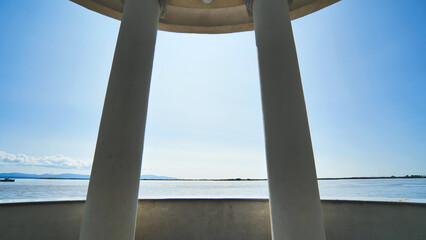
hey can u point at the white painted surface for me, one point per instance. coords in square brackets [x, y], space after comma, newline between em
[110, 211]
[293, 188]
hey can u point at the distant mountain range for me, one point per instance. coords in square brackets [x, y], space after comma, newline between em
[69, 176]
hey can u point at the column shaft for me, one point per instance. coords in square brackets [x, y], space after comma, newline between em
[111, 206]
[293, 189]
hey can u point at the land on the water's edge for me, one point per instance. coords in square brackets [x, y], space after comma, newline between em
[71, 176]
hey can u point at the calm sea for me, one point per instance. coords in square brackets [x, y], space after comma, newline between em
[29, 190]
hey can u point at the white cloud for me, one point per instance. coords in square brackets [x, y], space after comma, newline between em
[57, 161]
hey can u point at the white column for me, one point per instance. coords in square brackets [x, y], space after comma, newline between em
[293, 189]
[111, 206]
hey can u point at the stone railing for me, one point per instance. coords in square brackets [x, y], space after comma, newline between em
[216, 219]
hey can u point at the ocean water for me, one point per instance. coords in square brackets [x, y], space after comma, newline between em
[403, 190]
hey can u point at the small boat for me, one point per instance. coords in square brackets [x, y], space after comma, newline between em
[7, 180]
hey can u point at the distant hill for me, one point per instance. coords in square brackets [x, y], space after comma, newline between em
[150, 177]
[70, 176]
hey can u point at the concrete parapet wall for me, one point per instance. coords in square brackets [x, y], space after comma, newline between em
[246, 219]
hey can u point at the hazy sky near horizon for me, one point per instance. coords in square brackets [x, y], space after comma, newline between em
[363, 67]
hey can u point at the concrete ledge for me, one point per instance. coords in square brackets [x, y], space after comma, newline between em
[247, 219]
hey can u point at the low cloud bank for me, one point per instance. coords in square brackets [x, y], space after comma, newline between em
[57, 161]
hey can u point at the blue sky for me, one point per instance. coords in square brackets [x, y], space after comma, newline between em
[363, 67]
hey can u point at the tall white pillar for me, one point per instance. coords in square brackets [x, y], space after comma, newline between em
[111, 206]
[293, 189]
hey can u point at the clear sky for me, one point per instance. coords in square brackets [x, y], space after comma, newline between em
[363, 67]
